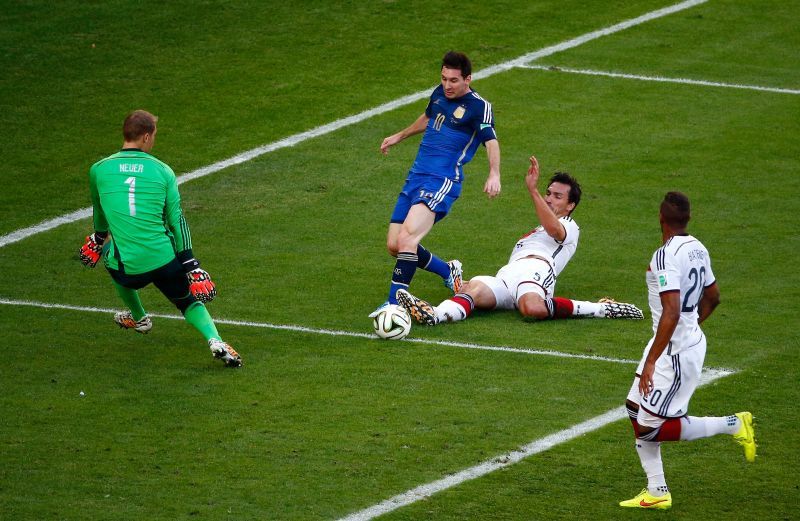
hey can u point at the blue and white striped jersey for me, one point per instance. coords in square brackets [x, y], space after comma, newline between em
[455, 129]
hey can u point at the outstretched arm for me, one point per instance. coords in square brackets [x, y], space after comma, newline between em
[415, 128]
[492, 186]
[547, 218]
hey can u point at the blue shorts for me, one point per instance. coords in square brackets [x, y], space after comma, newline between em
[437, 193]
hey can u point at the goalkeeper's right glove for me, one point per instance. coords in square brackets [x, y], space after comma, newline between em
[201, 286]
[92, 249]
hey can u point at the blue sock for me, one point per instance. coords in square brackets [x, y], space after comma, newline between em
[404, 270]
[430, 262]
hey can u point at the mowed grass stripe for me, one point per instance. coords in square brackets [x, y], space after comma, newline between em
[322, 130]
[507, 459]
[333, 332]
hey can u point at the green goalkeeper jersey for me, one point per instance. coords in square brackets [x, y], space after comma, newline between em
[135, 197]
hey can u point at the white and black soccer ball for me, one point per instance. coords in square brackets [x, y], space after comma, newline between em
[392, 323]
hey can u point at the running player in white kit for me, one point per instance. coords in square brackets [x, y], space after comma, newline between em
[528, 281]
[682, 292]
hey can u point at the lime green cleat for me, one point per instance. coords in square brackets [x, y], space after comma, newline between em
[746, 435]
[645, 500]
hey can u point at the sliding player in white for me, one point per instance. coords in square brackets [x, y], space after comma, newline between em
[528, 280]
[683, 292]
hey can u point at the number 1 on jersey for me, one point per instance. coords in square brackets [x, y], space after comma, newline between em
[131, 195]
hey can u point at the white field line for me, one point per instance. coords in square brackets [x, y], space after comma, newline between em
[686, 81]
[334, 332]
[295, 139]
[505, 460]
[580, 40]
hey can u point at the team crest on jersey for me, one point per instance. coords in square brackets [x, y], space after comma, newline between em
[459, 112]
[662, 280]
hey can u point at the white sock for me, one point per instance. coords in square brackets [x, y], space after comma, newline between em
[650, 457]
[581, 308]
[449, 311]
[696, 427]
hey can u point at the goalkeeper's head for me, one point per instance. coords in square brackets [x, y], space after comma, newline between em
[139, 130]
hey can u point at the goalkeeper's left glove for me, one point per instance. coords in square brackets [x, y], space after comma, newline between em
[201, 286]
[92, 249]
[200, 283]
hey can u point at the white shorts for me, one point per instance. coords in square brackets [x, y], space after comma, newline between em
[674, 381]
[519, 278]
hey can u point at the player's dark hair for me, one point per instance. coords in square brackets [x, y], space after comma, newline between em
[574, 187]
[459, 61]
[675, 209]
[137, 124]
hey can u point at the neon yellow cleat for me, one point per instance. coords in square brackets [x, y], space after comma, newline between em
[645, 500]
[746, 435]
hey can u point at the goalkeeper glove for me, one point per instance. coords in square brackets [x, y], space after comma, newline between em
[200, 283]
[92, 249]
[201, 286]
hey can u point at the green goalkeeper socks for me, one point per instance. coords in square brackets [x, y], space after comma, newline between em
[131, 299]
[197, 315]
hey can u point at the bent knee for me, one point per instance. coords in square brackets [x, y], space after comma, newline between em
[643, 432]
[392, 245]
[406, 242]
[536, 310]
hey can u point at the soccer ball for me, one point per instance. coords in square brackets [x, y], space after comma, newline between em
[392, 323]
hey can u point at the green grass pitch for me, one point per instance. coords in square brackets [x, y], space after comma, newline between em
[315, 426]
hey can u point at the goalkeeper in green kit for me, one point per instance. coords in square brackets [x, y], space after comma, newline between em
[143, 237]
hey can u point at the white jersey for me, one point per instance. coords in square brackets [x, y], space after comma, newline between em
[538, 242]
[681, 264]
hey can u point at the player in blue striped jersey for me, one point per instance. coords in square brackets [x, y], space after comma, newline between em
[456, 121]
